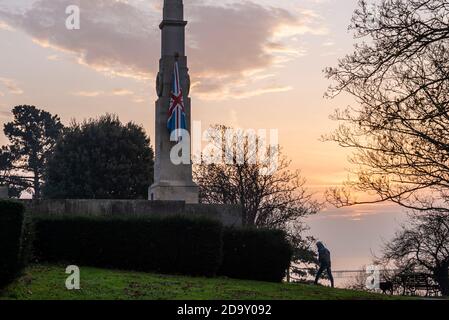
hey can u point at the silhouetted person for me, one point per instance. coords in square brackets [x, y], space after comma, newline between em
[324, 257]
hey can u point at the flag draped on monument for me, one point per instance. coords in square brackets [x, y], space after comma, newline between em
[176, 112]
[173, 181]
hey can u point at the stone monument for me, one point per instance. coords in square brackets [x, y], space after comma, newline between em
[172, 182]
[174, 191]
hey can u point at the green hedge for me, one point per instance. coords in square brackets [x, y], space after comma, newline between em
[175, 245]
[255, 254]
[171, 245]
[11, 230]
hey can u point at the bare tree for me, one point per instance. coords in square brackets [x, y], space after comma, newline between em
[247, 172]
[423, 243]
[358, 281]
[399, 77]
[270, 194]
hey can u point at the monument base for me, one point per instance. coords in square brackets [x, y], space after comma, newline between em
[174, 192]
[229, 215]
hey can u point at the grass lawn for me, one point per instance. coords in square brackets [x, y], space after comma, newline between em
[48, 283]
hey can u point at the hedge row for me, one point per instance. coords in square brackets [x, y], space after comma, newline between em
[11, 231]
[255, 254]
[171, 245]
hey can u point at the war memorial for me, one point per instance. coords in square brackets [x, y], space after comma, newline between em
[173, 191]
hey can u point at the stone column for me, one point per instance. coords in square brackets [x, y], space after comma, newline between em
[171, 182]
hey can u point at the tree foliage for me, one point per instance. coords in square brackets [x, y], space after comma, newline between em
[32, 136]
[399, 77]
[305, 261]
[101, 159]
[6, 175]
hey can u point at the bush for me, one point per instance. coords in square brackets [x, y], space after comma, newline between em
[11, 230]
[255, 254]
[171, 245]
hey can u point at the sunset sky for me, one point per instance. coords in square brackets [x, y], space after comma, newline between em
[254, 64]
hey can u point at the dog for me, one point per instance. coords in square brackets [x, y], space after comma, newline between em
[387, 286]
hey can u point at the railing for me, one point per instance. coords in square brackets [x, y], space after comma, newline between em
[397, 282]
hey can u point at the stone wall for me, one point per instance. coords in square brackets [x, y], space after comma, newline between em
[228, 214]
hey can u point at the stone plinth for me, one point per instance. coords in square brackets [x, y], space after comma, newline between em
[170, 191]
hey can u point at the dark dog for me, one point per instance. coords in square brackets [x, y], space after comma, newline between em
[387, 286]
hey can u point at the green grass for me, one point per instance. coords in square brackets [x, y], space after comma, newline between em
[48, 283]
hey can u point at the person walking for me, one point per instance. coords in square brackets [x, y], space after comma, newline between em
[324, 258]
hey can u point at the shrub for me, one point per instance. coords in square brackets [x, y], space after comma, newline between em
[168, 245]
[255, 254]
[11, 229]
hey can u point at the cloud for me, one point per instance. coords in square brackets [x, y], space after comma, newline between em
[242, 92]
[11, 85]
[114, 37]
[53, 57]
[329, 44]
[122, 92]
[97, 93]
[139, 99]
[4, 26]
[234, 43]
[359, 213]
[88, 94]
[226, 43]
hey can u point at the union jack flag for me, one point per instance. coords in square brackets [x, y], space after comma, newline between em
[176, 112]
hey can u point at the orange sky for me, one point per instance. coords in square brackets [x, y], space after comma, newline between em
[254, 64]
[269, 76]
